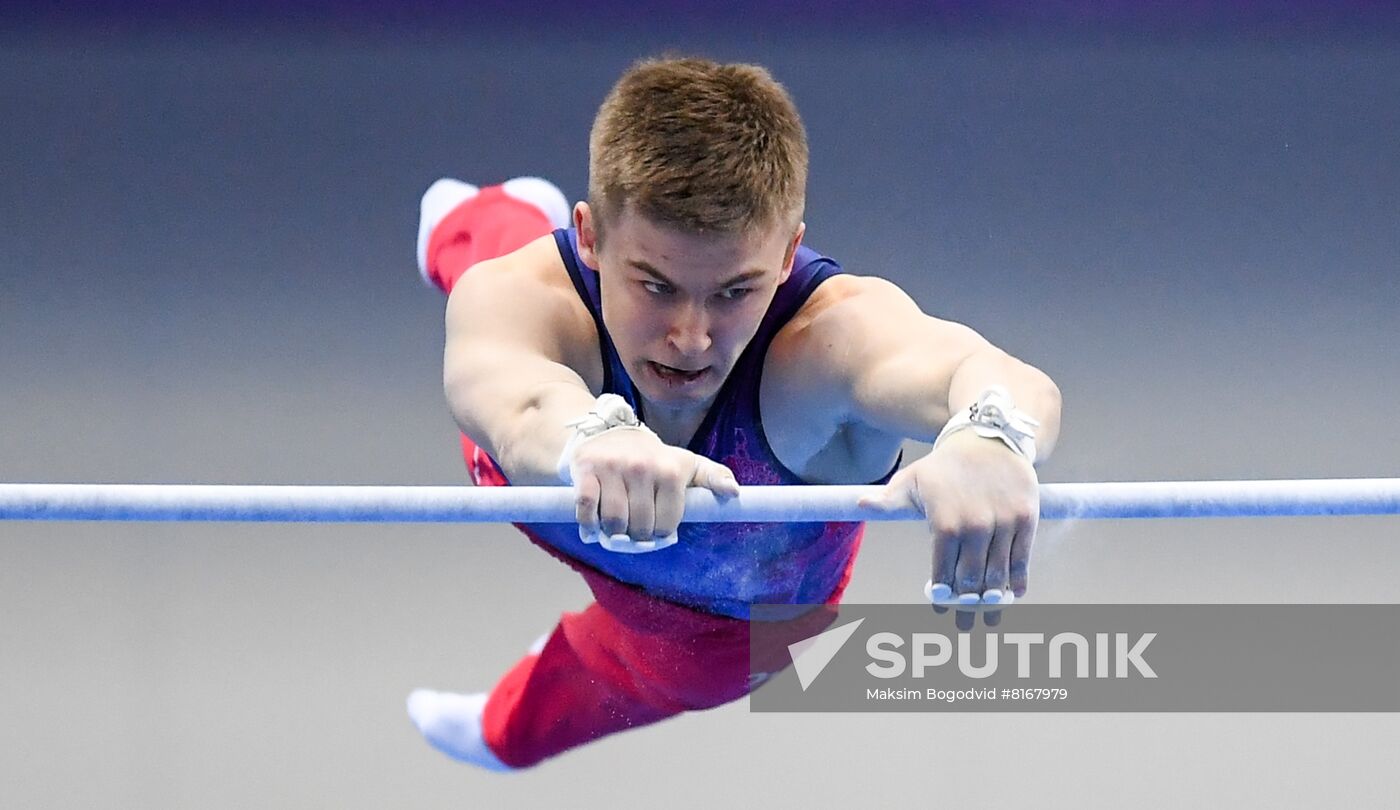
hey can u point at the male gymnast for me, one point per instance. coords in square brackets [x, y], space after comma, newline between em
[673, 331]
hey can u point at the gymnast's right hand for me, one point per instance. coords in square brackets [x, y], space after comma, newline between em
[629, 488]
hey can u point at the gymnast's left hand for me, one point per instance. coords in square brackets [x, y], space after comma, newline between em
[982, 504]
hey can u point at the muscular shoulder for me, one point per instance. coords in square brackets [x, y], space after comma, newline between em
[854, 323]
[807, 386]
[844, 299]
[527, 299]
[832, 331]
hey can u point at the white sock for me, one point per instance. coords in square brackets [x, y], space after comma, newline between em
[544, 195]
[452, 724]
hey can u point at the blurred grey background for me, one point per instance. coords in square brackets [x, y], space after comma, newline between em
[1190, 218]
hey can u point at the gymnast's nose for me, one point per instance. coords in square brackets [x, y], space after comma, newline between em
[689, 332]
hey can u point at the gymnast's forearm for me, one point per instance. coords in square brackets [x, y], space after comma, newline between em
[1034, 392]
[521, 424]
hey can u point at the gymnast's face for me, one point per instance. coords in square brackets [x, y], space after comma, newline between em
[682, 306]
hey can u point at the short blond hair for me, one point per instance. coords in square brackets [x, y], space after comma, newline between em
[699, 146]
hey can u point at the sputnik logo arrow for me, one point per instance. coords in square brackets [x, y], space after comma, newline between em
[811, 655]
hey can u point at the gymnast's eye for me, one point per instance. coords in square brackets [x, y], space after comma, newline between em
[656, 288]
[735, 293]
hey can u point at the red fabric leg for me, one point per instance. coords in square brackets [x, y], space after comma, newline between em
[489, 225]
[626, 661]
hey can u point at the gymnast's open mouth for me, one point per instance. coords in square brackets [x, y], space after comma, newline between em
[677, 376]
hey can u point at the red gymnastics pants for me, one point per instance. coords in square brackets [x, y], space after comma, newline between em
[629, 659]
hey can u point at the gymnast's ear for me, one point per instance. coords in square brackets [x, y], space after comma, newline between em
[587, 234]
[792, 252]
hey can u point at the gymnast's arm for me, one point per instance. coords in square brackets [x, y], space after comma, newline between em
[507, 367]
[906, 373]
[890, 367]
[515, 345]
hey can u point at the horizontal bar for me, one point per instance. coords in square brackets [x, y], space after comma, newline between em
[756, 504]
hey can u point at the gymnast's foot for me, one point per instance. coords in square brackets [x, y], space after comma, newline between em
[500, 219]
[452, 724]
